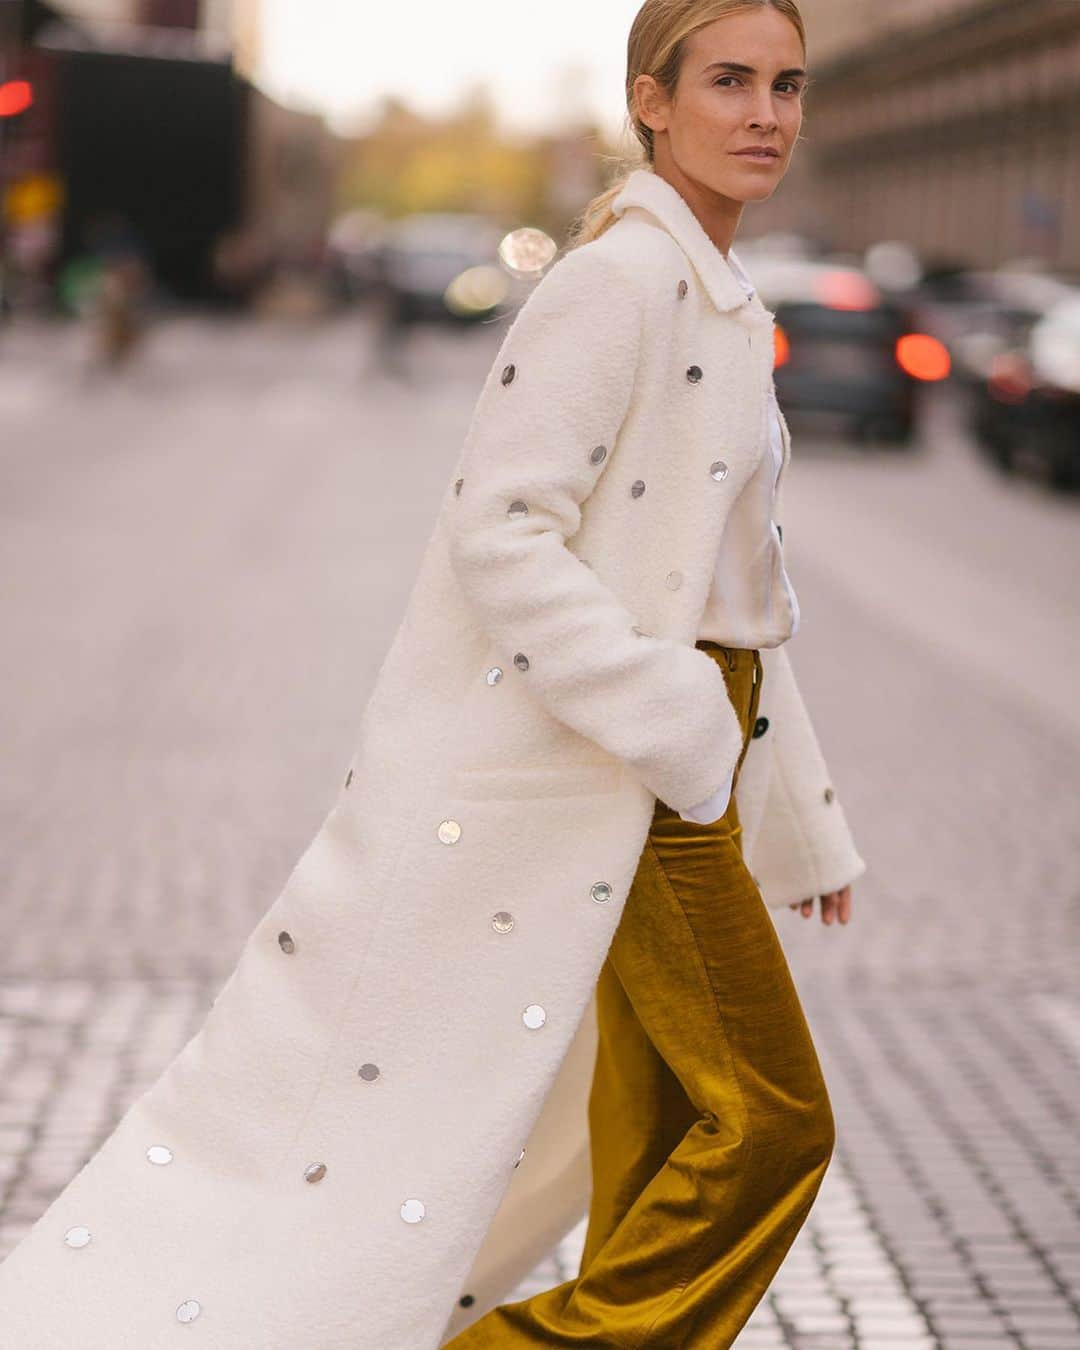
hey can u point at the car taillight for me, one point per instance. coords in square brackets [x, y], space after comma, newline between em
[846, 290]
[1010, 379]
[15, 97]
[922, 357]
[781, 347]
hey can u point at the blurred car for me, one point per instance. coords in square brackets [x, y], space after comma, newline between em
[844, 347]
[1026, 403]
[442, 266]
[979, 313]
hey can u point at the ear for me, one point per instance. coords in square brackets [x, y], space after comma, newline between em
[650, 103]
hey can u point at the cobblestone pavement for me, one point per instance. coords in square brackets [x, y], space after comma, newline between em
[207, 560]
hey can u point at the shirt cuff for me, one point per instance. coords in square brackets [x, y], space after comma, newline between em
[712, 808]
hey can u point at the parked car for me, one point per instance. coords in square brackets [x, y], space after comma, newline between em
[844, 347]
[1026, 407]
[443, 267]
[978, 314]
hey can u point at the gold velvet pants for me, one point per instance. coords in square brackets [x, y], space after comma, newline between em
[710, 1124]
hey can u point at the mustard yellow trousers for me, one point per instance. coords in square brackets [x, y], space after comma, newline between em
[710, 1124]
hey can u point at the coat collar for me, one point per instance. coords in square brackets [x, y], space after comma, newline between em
[646, 189]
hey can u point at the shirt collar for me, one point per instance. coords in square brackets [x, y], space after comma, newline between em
[646, 189]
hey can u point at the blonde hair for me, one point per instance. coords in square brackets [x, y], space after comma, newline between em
[656, 46]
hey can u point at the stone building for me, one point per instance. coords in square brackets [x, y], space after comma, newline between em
[952, 124]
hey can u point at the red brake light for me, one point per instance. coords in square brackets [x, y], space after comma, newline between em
[781, 346]
[15, 97]
[846, 290]
[922, 356]
[1010, 379]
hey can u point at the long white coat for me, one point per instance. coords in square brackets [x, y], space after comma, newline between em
[542, 689]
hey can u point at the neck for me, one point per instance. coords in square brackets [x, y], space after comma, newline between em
[718, 215]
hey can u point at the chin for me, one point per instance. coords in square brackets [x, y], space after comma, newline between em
[746, 198]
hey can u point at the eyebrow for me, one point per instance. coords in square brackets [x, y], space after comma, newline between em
[749, 70]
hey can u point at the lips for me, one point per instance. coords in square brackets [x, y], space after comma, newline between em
[762, 152]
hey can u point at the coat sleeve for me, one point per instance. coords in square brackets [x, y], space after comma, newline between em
[544, 429]
[802, 846]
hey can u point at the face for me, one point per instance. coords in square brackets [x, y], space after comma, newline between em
[718, 110]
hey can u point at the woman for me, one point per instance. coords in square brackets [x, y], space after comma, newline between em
[710, 1122]
[384, 1120]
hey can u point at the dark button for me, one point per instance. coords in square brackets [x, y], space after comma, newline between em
[683, 288]
[761, 726]
[508, 373]
[348, 778]
[780, 533]
[466, 1300]
[694, 374]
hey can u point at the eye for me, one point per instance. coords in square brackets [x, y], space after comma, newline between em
[790, 83]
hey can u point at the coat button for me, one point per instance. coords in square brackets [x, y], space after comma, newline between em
[348, 778]
[601, 891]
[315, 1172]
[829, 794]
[673, 580]
[693, 374]
[761, 726]
[780, 533]
[368, 1072]
[285, 942]
[521, 661]
[466, 1300]
[449, 831]
[77, 1237]
[457, 487]
[188, 1310]
[718, 470]
[519, 1158]
[508, 373]
[412, 1211]
[534, 1016]
[494, 675]
[159, 1155]
[502, 921]
[517, 508]
[597, 454]
[637, 487]
[683, 288]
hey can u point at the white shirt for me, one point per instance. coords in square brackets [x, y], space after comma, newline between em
[739, 611]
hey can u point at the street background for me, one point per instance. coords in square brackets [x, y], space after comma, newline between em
[209, 525]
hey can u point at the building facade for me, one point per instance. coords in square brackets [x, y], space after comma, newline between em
[951, 124]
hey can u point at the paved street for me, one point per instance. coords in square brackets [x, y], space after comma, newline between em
[206, 560]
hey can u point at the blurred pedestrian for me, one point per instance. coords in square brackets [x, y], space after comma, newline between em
[123, 287]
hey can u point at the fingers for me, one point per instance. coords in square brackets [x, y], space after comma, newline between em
[836, 905]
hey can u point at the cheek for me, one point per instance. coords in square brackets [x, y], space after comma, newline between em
[717, 119]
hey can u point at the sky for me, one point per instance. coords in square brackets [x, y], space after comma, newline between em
[546, 64]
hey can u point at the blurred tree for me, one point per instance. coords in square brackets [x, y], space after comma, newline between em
[463, 161]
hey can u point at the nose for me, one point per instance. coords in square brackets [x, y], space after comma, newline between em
[762, 114]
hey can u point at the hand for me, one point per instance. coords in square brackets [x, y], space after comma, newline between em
[835, 905]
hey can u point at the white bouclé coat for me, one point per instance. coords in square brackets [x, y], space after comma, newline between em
[448, 921]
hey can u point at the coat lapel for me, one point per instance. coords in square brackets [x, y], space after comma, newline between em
[654, 194]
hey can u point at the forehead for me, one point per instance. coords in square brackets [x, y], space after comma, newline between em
[760, 37]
